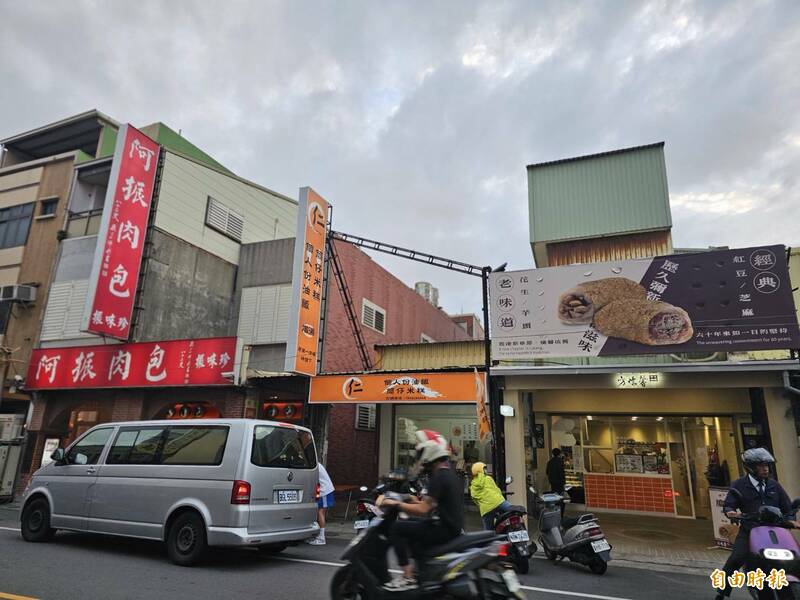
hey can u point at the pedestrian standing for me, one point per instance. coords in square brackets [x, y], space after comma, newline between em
[325, 502]
[555, 472]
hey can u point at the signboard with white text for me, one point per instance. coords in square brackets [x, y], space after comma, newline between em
[120, 241]
[307, 281]
[207, 361]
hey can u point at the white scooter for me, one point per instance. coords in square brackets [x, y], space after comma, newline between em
[579, 539]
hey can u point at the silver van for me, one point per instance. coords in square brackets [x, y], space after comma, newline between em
[191, 484]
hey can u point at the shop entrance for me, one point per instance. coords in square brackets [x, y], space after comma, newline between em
[646, 463]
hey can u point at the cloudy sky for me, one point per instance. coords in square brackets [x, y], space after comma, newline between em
[416, 119]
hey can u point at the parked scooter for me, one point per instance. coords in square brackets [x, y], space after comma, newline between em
[772, 546]
[511, 524]
[472, 566]
[579, 539]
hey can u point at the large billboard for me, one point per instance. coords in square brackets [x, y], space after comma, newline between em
[120, 241]
[397, 387]
[307, 281]
[720, 300]
[208, 361]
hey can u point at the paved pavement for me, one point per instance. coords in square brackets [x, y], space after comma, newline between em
[88, 567]
[654, 543]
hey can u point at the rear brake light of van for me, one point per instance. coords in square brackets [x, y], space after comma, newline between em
[317, 492]
[240, 493]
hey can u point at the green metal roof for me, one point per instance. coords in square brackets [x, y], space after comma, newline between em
[623, 191]
[167, 138]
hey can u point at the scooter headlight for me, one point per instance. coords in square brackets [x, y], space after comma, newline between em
[778, 554]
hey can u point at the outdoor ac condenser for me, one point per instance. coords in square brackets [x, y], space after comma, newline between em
[17, 293]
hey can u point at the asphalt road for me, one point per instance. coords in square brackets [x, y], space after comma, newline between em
[86, 567]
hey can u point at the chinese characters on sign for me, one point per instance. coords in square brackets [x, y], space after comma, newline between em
[401, 387]
[120, 242]
[307, 282]
[720, 300]
[638, 380]
[173, 362]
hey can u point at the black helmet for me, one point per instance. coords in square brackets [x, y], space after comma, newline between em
[756, 456]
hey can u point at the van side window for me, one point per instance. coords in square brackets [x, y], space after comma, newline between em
[283, 447]
[87, 450]
[137, 446]
[194, 446]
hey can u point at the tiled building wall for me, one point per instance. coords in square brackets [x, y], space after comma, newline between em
[621, 492]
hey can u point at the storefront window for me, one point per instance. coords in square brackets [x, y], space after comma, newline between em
[696, 453]
[456, 423]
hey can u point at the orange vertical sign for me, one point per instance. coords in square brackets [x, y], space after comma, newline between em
[484, 428]
[307, 282]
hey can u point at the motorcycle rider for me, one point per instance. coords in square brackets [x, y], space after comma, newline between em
[440, 512]
[755, 490]
[486, 495]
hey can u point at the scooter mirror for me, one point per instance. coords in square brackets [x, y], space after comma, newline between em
[509, 479]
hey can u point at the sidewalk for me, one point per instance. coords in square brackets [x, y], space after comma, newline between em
[655, 543]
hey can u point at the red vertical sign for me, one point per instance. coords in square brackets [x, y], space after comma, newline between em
[120, 242]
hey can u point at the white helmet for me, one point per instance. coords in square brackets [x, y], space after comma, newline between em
[431, 446]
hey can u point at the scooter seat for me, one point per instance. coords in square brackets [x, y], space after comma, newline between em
[463, 541]
[568, 522]
[514, 510]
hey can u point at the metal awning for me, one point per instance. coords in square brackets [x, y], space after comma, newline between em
[710, 367]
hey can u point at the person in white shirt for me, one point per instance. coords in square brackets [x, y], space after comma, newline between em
[325, 502]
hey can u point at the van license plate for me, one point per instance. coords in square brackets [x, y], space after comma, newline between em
[361, 524]
[518, 536]
[601, 546]
[288, 496]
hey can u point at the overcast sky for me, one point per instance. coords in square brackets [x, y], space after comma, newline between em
[416, 119]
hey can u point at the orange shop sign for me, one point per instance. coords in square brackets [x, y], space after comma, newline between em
[394, 387]
[307, 282]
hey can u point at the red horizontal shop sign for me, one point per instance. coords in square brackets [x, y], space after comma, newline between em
[146, 364]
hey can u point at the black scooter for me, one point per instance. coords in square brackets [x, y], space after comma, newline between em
[471, 567]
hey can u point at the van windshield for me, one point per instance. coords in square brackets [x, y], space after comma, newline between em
[283, 447]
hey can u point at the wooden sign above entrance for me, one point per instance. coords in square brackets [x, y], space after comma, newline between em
[394, 387]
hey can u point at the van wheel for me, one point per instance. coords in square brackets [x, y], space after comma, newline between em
[186, 540]
[36, 522]
[273, 548]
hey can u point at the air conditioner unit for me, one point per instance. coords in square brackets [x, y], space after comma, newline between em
[17, 293]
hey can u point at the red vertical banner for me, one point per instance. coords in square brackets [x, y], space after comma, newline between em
[120, 241]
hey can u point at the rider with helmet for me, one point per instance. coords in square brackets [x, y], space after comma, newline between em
[440, 512]
[486, 495]
[748, 494]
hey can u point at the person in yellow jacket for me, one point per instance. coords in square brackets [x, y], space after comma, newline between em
[486, 495]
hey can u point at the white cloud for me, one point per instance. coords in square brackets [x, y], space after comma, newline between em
[417, 120]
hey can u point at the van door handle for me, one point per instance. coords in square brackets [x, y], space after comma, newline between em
[90, 471]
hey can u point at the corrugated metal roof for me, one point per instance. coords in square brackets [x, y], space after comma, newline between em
[602, 249]
[439, 355]
[600, 194]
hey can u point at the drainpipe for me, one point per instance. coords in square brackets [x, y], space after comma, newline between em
[795, 402]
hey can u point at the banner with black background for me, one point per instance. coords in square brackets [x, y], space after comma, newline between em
[715, 301]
